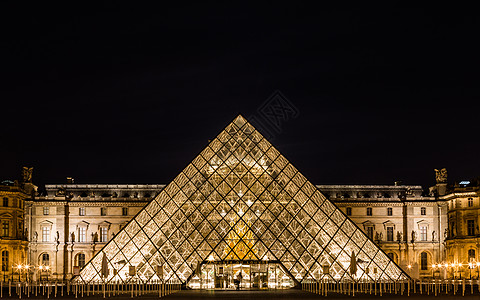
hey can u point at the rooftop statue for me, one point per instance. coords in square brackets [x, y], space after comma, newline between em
[441, 175]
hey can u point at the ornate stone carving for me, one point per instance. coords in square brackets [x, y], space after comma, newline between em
[441, 175]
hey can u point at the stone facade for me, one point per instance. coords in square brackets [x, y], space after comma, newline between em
[13, 239]
[71, 222]
[428, 233]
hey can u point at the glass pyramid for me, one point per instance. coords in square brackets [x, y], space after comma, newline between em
[240, 199]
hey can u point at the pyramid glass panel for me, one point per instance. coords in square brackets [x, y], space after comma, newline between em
[240, 203]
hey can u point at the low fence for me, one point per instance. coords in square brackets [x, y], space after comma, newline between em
[67, 289]
[431, 287]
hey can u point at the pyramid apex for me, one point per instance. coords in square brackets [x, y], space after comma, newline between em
[240, 120]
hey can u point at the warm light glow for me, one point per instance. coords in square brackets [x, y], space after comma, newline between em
[478, 264]
[40, 267]
[459, 264]
[27, 266]
[47, 267]
[19, 266]
[433, 266]
[255, 228]
[409, 266]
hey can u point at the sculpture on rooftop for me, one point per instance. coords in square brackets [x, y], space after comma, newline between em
[441, 175]
[27, 174]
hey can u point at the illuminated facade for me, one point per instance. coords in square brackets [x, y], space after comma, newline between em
[69, 223]
[13, 241]
[240, 209]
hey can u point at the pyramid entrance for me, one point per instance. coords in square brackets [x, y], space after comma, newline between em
[240, 202]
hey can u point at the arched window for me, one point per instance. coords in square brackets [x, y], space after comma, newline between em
[5, 262]
[471, 255]
[80, 260]
[45, 259]
[423, 261]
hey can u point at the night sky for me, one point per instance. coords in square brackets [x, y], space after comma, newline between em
[120, 94]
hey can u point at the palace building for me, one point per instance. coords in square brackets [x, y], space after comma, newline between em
[240, 207]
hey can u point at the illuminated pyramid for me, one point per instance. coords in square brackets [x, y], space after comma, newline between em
[240, 199]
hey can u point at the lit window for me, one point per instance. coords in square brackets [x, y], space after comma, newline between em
[389, 211]
[424, 261]
[82, 234]
[103, 234]
[45, 259]
[103, 211]
[5, 228]
[369, 211]
[470, 202]
[124, 211]
[470, 227]
[423, 211]
[423, 233]
[349, 211]
[5, 262]
[46, 210]
[46, 234]
[81, 260]
[5, 202]
[471, 255]
[390, 234]
[81, 211]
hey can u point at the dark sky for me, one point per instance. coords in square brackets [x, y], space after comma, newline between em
[124, 94]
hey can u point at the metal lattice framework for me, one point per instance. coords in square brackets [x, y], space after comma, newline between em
[240, 199]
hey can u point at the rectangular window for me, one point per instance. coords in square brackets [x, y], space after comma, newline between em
[5, 202]
[45, 234]
[5, 228]
[46, 210]
[470, 202]
[470, 227]
[423, 211]
[349, 211]
[389, 211]
[103, 235]
[81, 211]
[124, 211]
[82, 234]
[390, 234]
[423, 233]
[370, 232]
[103, 211]
[369, 211]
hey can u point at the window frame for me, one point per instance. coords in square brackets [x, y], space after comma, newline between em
[389, 211]
[470, 202]
[424, 261]
[124, 211]
[46, 210]
[45, 233]
[423, 233]
[390, 234]
[348, 211]
[82, 234]
[423, 211]
[81, 211]
[471, 227]
[369, 211]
